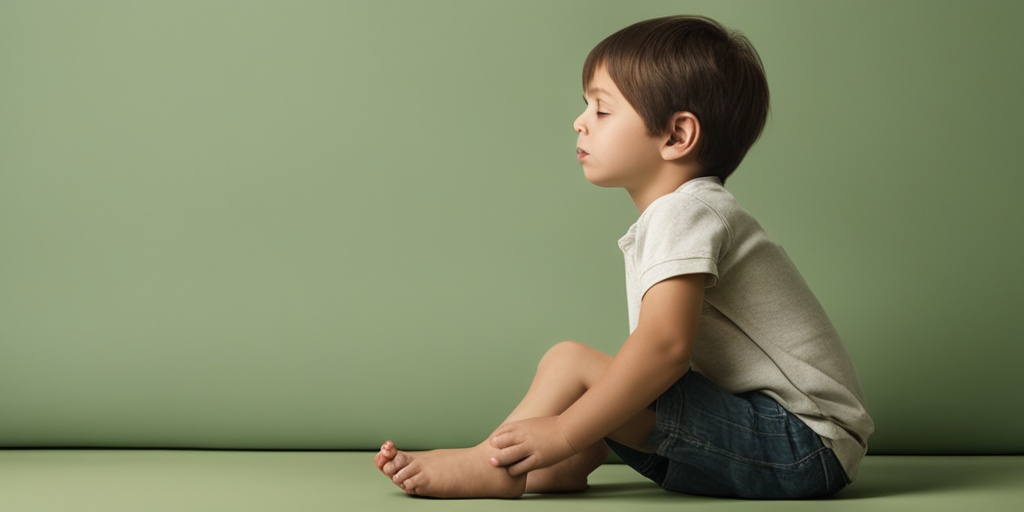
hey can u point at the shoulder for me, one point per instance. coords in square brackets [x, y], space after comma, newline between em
[681, 232]
[702, 204]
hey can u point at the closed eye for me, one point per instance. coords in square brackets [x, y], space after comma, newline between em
[599, 113]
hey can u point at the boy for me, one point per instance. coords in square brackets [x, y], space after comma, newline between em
[733, 382]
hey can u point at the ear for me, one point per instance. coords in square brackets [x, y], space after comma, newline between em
[682, 137]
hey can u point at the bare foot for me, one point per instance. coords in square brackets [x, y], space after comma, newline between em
[570, 475]
[386, 454]
[463, 473]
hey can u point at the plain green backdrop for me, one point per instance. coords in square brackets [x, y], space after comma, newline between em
[255, 224]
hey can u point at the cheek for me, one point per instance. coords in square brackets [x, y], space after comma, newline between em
[637, 148]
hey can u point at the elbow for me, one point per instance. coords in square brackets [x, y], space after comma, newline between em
[675, 352]
[678, 356]
[669, 351]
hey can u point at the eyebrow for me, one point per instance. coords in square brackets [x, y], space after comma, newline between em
[593, 91]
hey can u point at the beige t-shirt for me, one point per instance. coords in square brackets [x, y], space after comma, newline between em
[761, 328]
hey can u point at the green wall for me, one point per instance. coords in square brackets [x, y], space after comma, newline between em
[322, 224]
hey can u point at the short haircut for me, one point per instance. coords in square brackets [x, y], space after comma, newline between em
[690, 64]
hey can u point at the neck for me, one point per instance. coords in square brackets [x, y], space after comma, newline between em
[665, 183]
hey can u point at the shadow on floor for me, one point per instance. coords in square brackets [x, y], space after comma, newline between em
[883, 476]
[880, 477]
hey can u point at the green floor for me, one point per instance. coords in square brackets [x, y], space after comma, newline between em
[101, 480]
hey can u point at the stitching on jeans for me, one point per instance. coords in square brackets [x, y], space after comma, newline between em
[740, 427]
[728, 454]
[825, 471]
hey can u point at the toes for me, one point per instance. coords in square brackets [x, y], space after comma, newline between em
[386, 454]
[408, 477]
[410, 483]
[404, 468]
[388, 449]
[397, 463]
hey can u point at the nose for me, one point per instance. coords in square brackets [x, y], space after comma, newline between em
[578, 125]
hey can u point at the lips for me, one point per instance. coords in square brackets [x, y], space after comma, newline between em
[581, 154]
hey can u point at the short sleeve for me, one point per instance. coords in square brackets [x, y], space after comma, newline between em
[679, 234]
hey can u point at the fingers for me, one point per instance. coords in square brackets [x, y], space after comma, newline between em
[510, 455]
[515, 460]
[505, 436]
[501, 441]
[522, 467]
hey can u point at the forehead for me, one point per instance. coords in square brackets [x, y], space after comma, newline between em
[601, 84]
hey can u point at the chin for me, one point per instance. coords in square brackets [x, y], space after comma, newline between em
[596, 178]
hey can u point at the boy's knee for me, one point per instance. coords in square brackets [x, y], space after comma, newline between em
[564, 352]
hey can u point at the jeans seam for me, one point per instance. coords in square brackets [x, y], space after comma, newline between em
[827, 472]
[728, 454]
[740, 427]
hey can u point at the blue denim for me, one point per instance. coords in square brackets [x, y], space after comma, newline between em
[708, 441]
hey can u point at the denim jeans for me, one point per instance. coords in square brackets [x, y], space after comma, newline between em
[708, 441]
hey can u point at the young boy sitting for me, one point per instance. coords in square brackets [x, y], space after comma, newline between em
[733, 381]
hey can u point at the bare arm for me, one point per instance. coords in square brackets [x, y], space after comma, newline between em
[655, 356]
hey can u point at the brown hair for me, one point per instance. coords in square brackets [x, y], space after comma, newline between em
[690, 64]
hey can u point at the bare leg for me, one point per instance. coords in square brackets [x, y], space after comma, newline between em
[563, 375]
[565, 372]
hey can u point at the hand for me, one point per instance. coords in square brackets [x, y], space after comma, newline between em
[530, 444]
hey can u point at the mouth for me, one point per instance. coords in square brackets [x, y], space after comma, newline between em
[581, 154]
